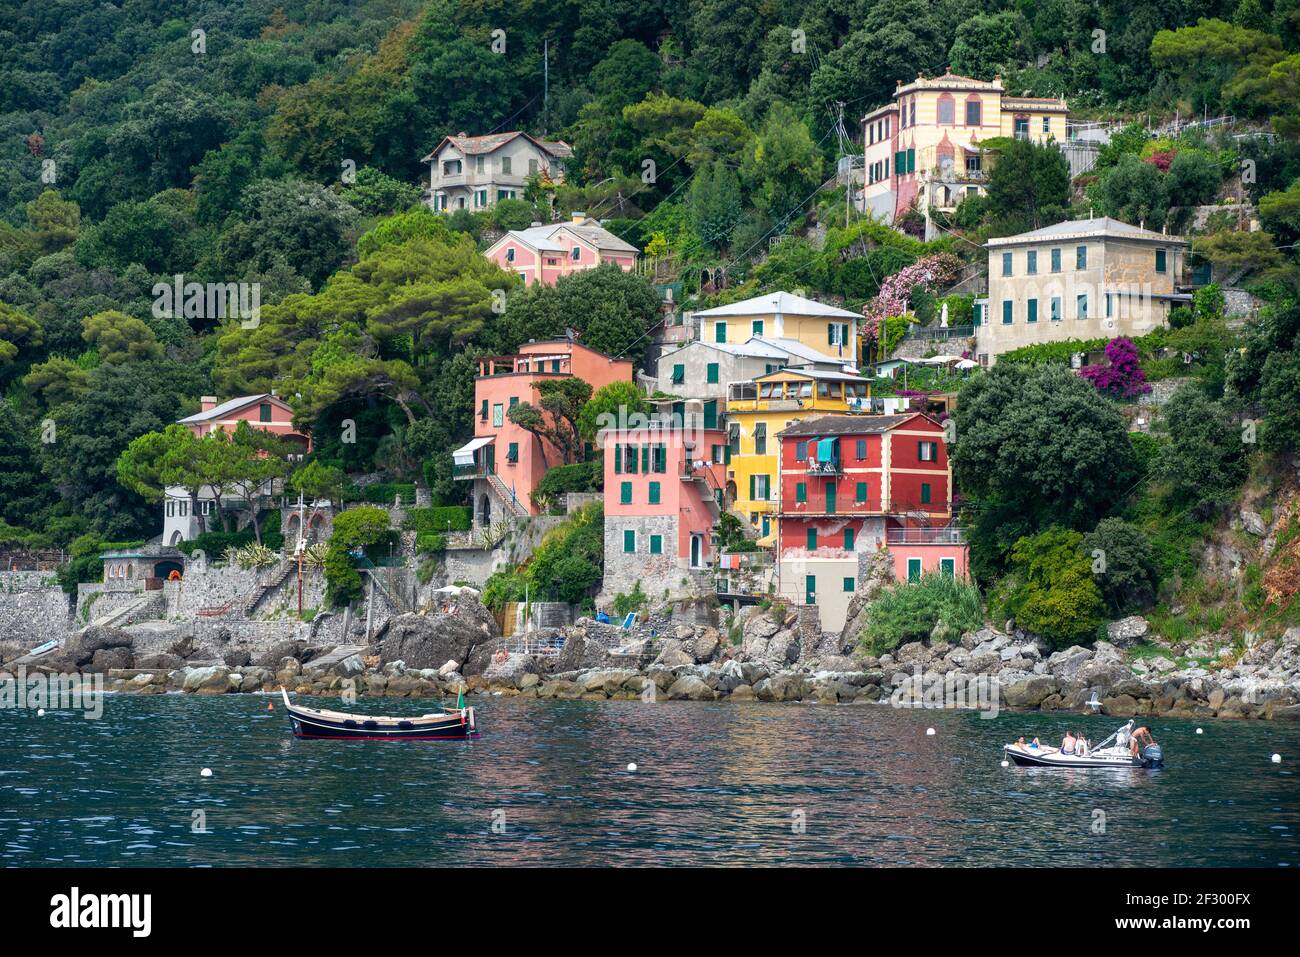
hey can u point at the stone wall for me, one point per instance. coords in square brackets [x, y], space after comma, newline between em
[97, 599]
[33, 608]
[656, 574]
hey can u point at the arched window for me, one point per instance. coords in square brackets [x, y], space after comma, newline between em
[947, 110]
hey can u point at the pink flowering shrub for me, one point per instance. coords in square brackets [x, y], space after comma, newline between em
[1122, 377]
[932, 272]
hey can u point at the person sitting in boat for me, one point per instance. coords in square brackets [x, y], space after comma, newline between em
[1067, 743]
[1034, 743]
[1081, 746]
[1020, 741]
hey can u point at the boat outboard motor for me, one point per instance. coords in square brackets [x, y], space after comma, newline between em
[1153, 756]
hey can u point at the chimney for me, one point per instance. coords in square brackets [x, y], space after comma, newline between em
[462, 134]
[579, 217]
[207, 402]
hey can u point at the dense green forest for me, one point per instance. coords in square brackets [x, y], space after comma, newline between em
[279, 143]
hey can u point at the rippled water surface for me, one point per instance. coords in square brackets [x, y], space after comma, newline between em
[716, 784]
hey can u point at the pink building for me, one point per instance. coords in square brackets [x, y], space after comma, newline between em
[663, 495]
[504, 461]
[547, 253]
[266, 411]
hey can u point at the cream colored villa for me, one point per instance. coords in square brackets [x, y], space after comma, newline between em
[924, 146]
[1082, 279]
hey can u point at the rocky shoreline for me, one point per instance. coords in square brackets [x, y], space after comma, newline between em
[442, 655]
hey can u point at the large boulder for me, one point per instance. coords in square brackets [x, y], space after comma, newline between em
[78, 651]
[285, 649]
[508, 673]
[581, 651]
[775, 652]
[1128, 632]
[705, 645]
[1029, 692]
[430, 641]
[690, 688]
[872, 580]
[108, 659]
[674, 655]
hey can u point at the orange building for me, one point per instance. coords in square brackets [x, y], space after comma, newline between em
[503, 460]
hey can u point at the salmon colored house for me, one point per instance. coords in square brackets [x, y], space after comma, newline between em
[663, 497]
[852, 485]
[548, 253]
[265, 411]
[503, 460]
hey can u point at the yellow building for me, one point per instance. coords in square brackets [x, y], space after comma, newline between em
[923, 148]
[758, 410]
[785, 319]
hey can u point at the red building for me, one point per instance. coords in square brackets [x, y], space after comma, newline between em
[505, 461]
[853, 484]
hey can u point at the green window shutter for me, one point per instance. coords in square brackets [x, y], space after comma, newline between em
[848, 539]
[862, 450]
[663, 458]
[812, 539]
[712, 370]
[618, 459]
[679, 374]
[656, 544]
[654, 493]
[645, 459]
[625, 493]
[1081, 258]
[850, 584]
[1161, 261]
[801, 492]
[629, 540]
[911, 161]
[751, 487]
[719, 332]
[1033, 310]
[1006, 312]
[862, 492]
[925, 493]
[711, 414]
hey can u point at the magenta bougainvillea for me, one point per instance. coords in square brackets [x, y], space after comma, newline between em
[1122, 376]
[1161, 159]
[932, 272]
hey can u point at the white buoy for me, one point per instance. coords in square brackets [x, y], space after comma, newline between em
[40, 712]
[205, 773]
[1199, 731]
[929, 732]
[1006, 764]
[632, 766]
[1276, 759]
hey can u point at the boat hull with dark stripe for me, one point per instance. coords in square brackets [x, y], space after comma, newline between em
[317, 723]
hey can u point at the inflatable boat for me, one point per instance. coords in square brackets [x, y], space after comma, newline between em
[1115, 752]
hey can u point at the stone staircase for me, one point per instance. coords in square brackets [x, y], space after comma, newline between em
[509, 501]
[149, 605]
[275, 580]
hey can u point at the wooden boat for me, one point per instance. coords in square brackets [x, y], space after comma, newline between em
[318, 723]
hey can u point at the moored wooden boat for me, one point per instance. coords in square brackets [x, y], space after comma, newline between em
[339, 725]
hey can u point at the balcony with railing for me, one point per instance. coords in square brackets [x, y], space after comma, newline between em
[946, 535]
